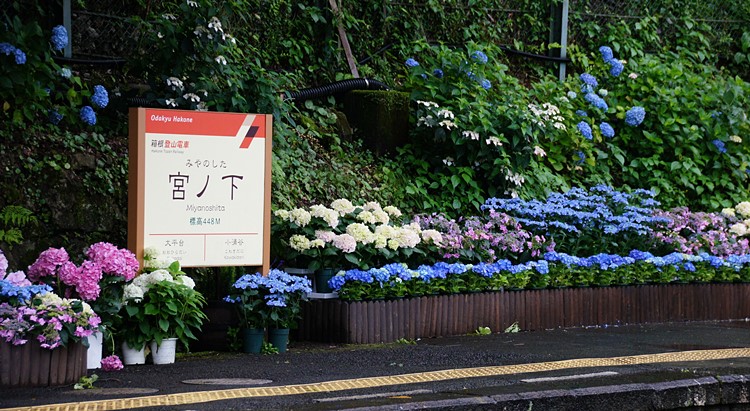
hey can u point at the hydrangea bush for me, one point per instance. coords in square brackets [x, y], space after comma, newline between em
[34, 87]
[345, 235]
[586, 222]
[554, 271]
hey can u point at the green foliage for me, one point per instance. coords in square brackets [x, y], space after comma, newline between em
[513, 328]
[483, 331]
[86, 382]
[268, 349]
[13, 219]
[168, 310]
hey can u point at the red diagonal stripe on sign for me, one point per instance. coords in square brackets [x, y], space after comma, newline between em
[256, 130]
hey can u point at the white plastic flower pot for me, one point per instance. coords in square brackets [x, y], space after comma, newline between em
[132, 356]
[94, 352]
[164, 353]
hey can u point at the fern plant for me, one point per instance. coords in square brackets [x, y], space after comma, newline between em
[14, 218]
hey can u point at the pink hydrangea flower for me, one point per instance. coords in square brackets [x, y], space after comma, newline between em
[111, 363]
[47, 263]
[114, 261]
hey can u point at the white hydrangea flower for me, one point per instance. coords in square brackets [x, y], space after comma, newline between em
[380, 241]
[221, 60]
[367, 217]
[159, 276]
[743, 209]
[132, 292]
[299, 242]
[343, 206]
[472, 135]
[735, 138]
[393, 244]
[282, 214]
[393, 211]
[360, 232]
[174, 82]
[372, 206]
[325, 236]
[345, 243]
[381, 216]
[317, 243]
[739, 229]
[432, 236]
[728, 212]
[300, 216]
[186, 281]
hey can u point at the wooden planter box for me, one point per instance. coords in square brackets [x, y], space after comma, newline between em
[368, 322]
[30, 365]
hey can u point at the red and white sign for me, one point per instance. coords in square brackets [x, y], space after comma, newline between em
[200, 185]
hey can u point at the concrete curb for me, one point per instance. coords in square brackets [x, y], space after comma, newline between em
[730, 390]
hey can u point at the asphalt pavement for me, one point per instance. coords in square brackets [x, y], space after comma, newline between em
[698, 365]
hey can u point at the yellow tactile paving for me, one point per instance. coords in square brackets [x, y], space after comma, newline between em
[358, 383]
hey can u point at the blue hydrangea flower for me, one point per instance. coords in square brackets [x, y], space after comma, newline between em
[616, 67]
[479, 56]
[607, 54]
[471, 75]
[572, 95]
[59, 38]
[585, 130]
[88, 116]
[720, 146]
[607, 130]
[716, 114]
[437, 73]
[20, 56]
[411, 63]
[55, 117]
[100, 98]
[581, 157]
[597, 101]
[634, 117]
[589, 80]
[582, 113]
[486, 84]
[65, 72]
[7, 48]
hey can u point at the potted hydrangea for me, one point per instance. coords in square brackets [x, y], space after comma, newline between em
[99, 280]
[272, 301]
[162, 307]
[39, 328]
